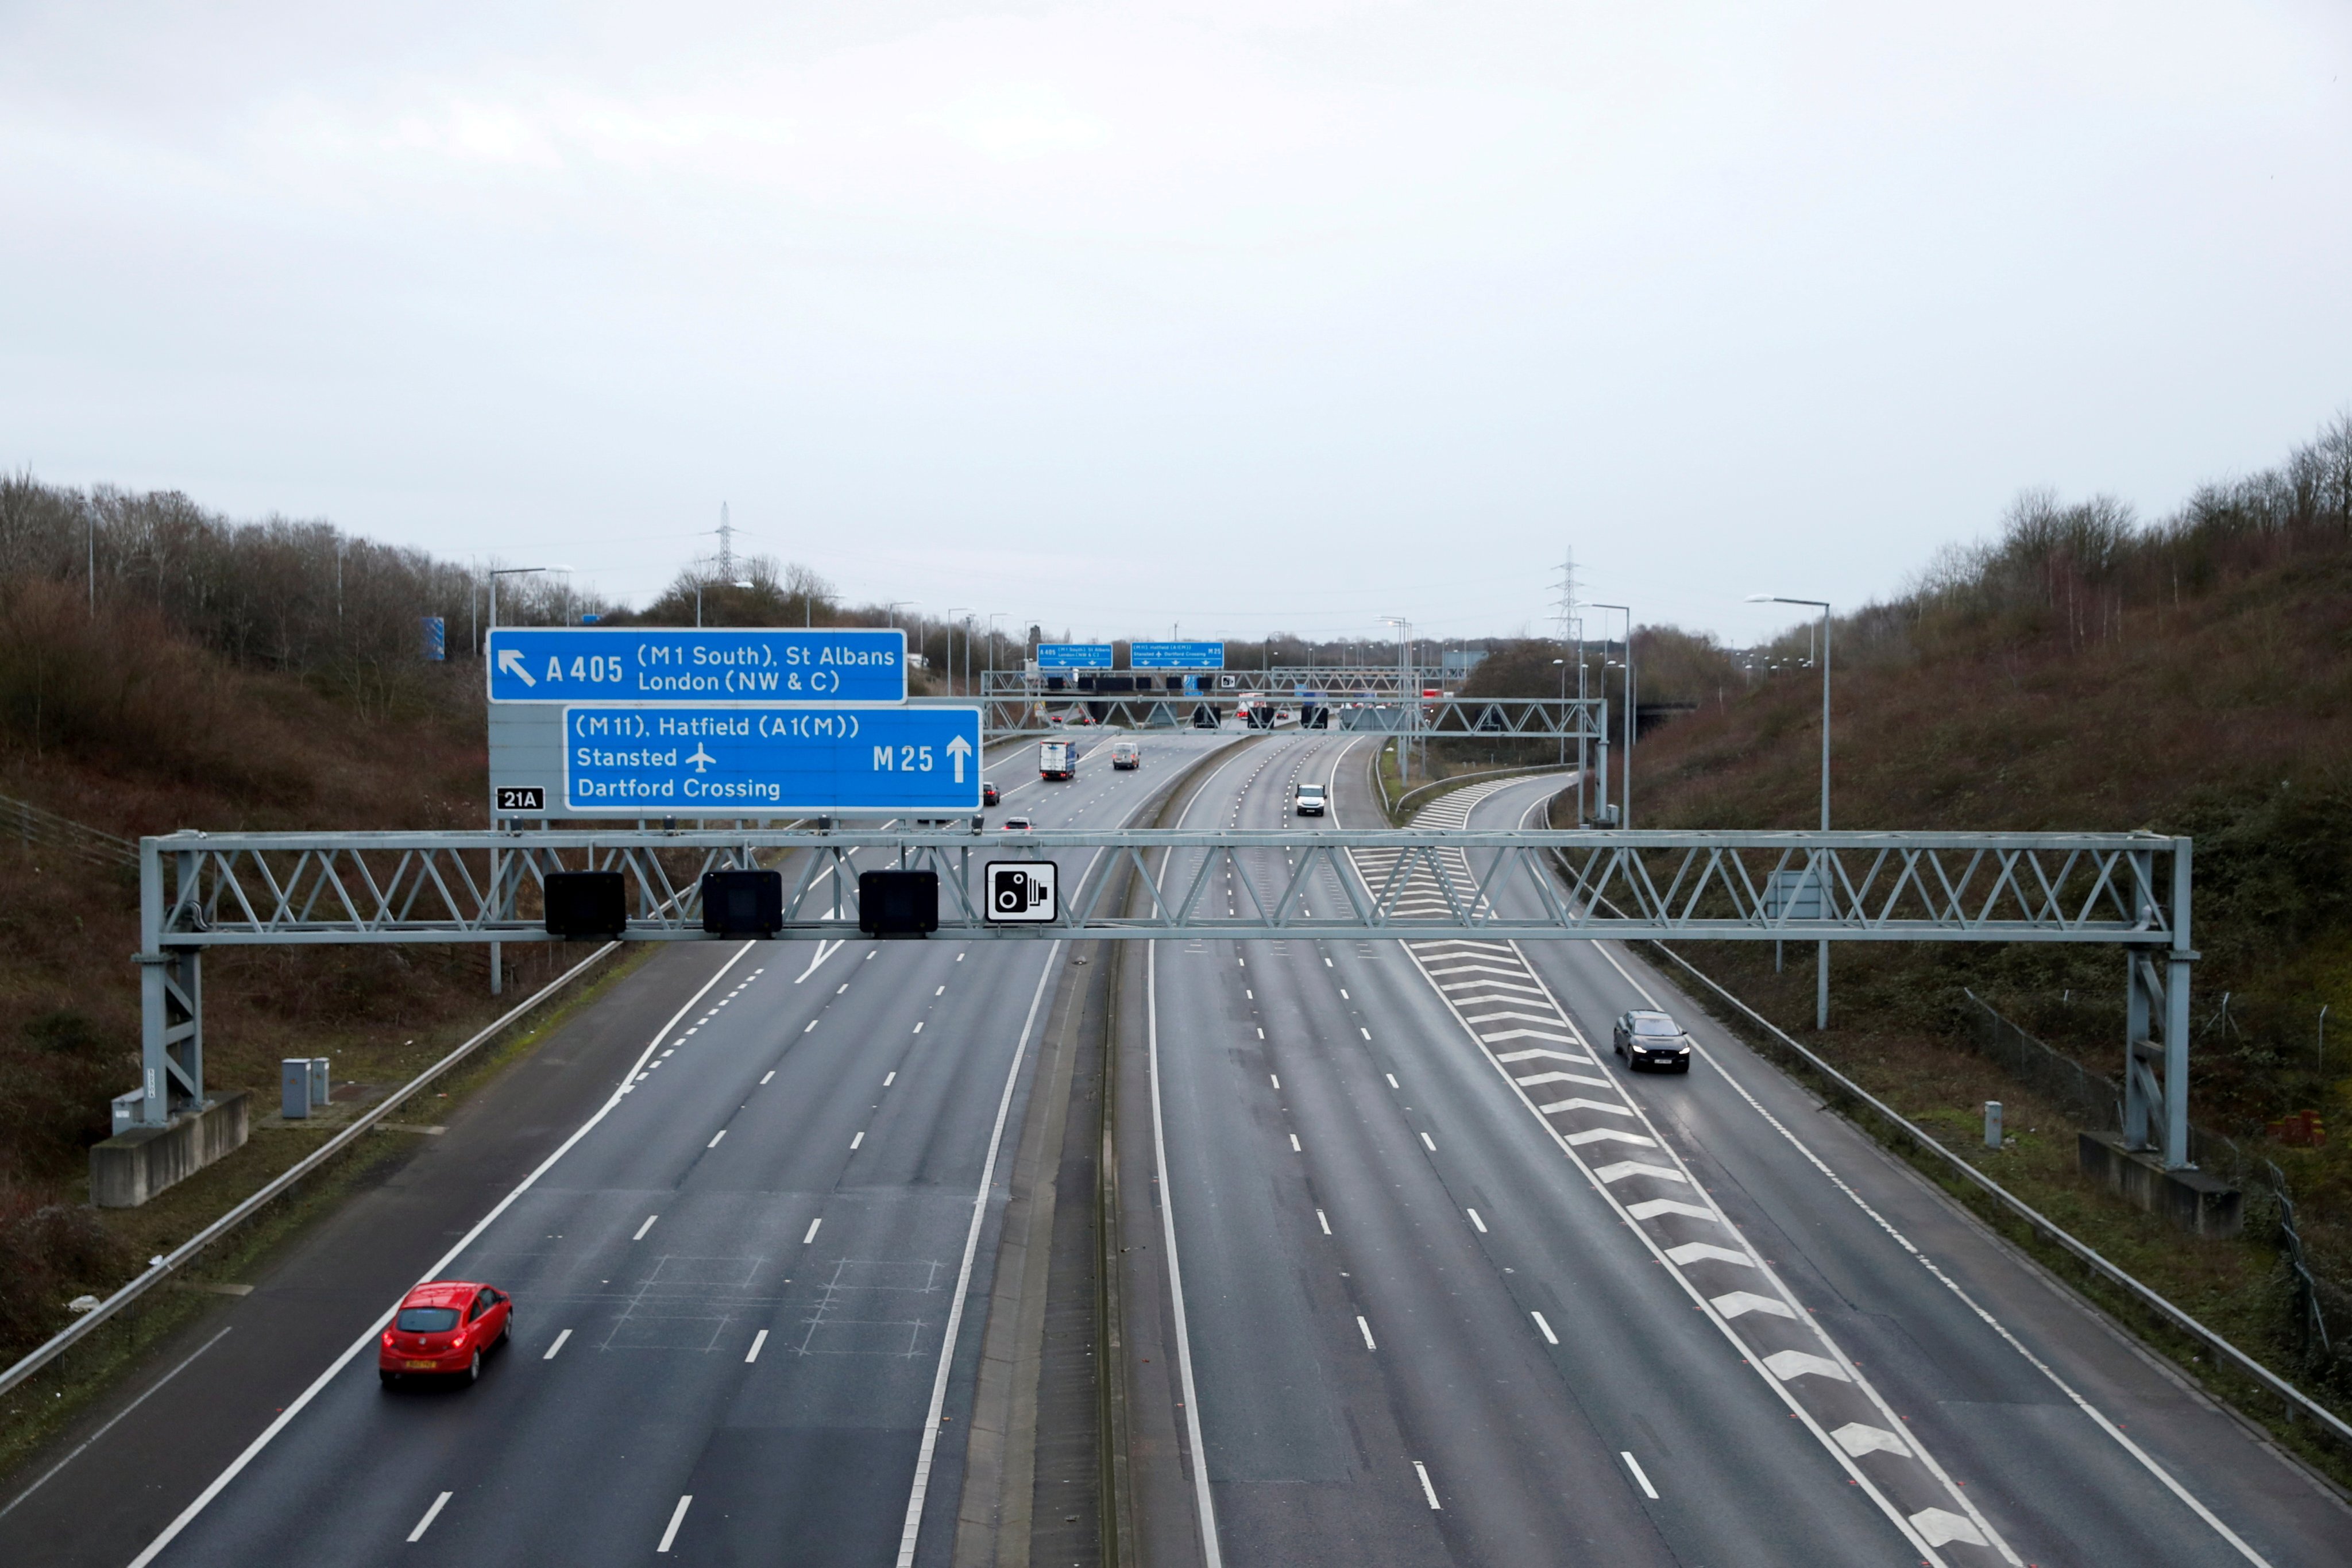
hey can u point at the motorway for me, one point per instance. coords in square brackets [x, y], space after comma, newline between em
[1421, 1273]
[735, 1272]
[1457, 1287]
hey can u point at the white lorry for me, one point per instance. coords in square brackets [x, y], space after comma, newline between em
[1058, 760]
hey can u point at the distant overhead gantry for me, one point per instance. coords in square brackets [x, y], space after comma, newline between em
[1359, 700]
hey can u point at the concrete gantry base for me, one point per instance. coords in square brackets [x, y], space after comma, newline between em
[2193, 1200]
[131, 1167]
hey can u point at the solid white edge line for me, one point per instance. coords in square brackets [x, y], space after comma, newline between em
[1838, 1456]
[51, 1472]
[430, 1515]
[1211, 1555]
[557, 1345]
[908, 1535]
[1634, 1465]
[1427, 1490]
[156, 1272]
[757, 1340]
[302, 1401]
[2097, 1416]
[677, 1517]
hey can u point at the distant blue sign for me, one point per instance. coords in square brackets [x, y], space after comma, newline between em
[1074, 656]
[727, 762]
[687, 665]
[1176, 655]
[436, 638]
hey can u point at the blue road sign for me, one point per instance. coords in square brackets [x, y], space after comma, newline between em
[1176, 655]
[742, 762]
[835, 665]
[1074, 656]
[437, 638]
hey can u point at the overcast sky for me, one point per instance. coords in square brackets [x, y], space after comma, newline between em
[1270, 314]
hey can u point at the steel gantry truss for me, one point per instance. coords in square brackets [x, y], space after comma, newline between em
[1416, 718]
[208, 890]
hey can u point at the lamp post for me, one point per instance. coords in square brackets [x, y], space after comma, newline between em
[1625, 797]
[988, 675]
[1405, 689]
[498, 572]
[698, 587]
[497, 871]
[965, 611]
[1822, 964]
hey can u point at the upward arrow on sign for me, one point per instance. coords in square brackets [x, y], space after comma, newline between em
[959, 749]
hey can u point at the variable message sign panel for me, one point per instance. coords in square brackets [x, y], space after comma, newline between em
[1074, 656]
[1176, 655]
[745, 761]
[836, 666]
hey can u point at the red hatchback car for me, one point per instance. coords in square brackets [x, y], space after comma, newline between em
[444, 1327]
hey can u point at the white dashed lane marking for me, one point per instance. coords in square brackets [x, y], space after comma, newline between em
[1506, 1007]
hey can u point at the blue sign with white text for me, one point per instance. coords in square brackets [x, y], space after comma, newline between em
[1074, 656]
[1176, 655]
[747, 761]
[789, 666]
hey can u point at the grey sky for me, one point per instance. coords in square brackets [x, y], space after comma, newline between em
[1275, 313]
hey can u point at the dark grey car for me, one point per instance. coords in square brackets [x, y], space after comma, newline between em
[1651, 1039]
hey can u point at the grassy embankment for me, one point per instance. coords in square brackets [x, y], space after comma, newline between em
[2193, 677]
[118, 721]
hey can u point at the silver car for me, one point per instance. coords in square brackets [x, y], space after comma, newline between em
[1645, 1039]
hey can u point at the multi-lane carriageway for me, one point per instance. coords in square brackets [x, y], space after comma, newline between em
[1430, 1278]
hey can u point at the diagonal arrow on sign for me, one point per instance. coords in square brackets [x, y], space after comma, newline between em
[511, 663]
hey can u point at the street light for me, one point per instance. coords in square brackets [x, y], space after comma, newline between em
[965, 611]
[497, 961]
[1404, 683]
[498, 572]
[698, 587]
[891, 611]
[995, 617]
[1625, 797]
[1822, 967]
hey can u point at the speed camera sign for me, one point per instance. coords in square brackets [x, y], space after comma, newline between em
[1021, 892]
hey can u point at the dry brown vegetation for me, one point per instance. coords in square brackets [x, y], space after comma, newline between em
[211, 681]
[2192, 676]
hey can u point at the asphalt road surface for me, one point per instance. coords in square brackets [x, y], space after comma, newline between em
[1460, 1289]
[736, 1264]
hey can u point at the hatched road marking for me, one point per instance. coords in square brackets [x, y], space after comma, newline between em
[1500, 999]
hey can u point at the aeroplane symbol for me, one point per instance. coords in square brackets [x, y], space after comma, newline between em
[703, 761]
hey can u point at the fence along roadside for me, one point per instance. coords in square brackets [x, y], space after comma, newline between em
[34, 824]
